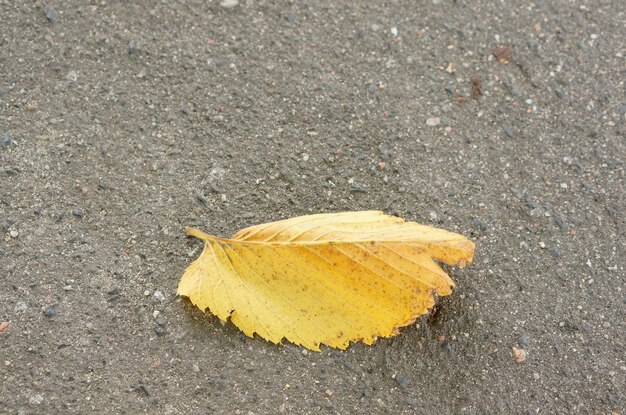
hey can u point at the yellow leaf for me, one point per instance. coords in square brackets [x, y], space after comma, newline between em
[324, 279]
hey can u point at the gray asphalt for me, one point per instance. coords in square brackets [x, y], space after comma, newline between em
[122, 122]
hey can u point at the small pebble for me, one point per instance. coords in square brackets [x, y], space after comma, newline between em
[523, 341]
[161, 321]
[141, 388]
[51, 15]
[14, 234]
[21, 307]
[394, 31]
[113, 290]
[375, 27]
[5, 140]
[51, 310]
[146, 293]
[433, 122]
[77, 213]
[402, 381]
[229, 4]
[72, 76]
[518, 354]
[36, 400]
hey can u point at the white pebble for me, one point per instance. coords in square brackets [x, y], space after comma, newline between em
[394, 31]
[158, 295]
[21, 307]
[36, 400]
[229, 4]
[14, 234]
[433, 122]
[72, 76]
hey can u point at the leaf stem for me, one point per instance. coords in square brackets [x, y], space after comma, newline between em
[197, 233]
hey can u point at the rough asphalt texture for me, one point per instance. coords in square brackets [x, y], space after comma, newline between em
[121, 122]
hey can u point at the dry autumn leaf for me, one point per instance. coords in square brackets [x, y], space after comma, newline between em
[324, 279]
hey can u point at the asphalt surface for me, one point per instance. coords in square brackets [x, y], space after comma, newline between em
[122, 122]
